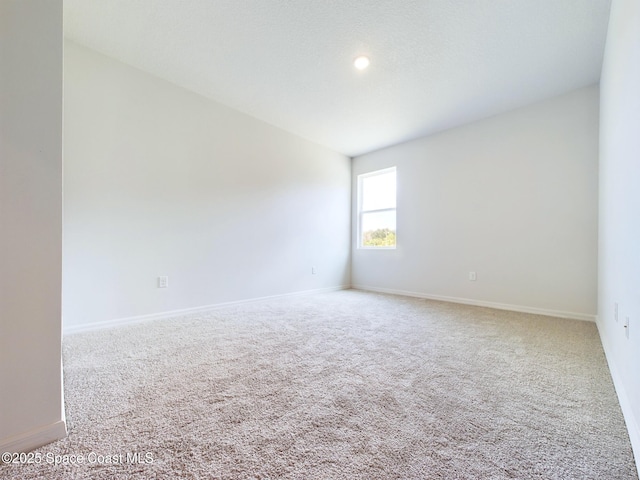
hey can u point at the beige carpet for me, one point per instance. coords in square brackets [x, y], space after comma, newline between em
[346, 385]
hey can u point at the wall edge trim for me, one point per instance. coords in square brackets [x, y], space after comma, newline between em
[87, 327]
[35, 438]
[483, 303]
[632, 423]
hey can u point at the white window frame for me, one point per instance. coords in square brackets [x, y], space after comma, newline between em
[361, 212]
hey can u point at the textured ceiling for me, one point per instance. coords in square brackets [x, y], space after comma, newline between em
[435, 64]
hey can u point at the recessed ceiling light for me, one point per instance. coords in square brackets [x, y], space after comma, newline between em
[361, 62]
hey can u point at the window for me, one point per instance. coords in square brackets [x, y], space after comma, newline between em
[377, 209]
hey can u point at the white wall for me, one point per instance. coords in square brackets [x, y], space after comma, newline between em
[30, 223]
[161, 181]
[512, 197]
[619, 249]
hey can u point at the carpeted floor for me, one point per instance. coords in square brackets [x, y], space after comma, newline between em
[345, 385]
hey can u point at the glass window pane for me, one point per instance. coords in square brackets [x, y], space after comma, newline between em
[379, 191]
[378, 229]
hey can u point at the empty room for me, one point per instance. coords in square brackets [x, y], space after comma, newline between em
[366, 239]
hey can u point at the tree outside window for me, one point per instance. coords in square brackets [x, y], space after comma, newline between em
[377, 209]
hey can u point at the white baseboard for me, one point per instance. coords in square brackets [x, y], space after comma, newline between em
[482, 303]
[86, 327]
[633, 425]
[26, 442]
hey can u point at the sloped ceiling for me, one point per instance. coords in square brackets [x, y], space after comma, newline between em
[435, 64]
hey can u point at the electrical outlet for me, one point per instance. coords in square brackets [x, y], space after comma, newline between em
[472, 276]
[615, 310]
[626, 327]
[163, 282]
[314, 271]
